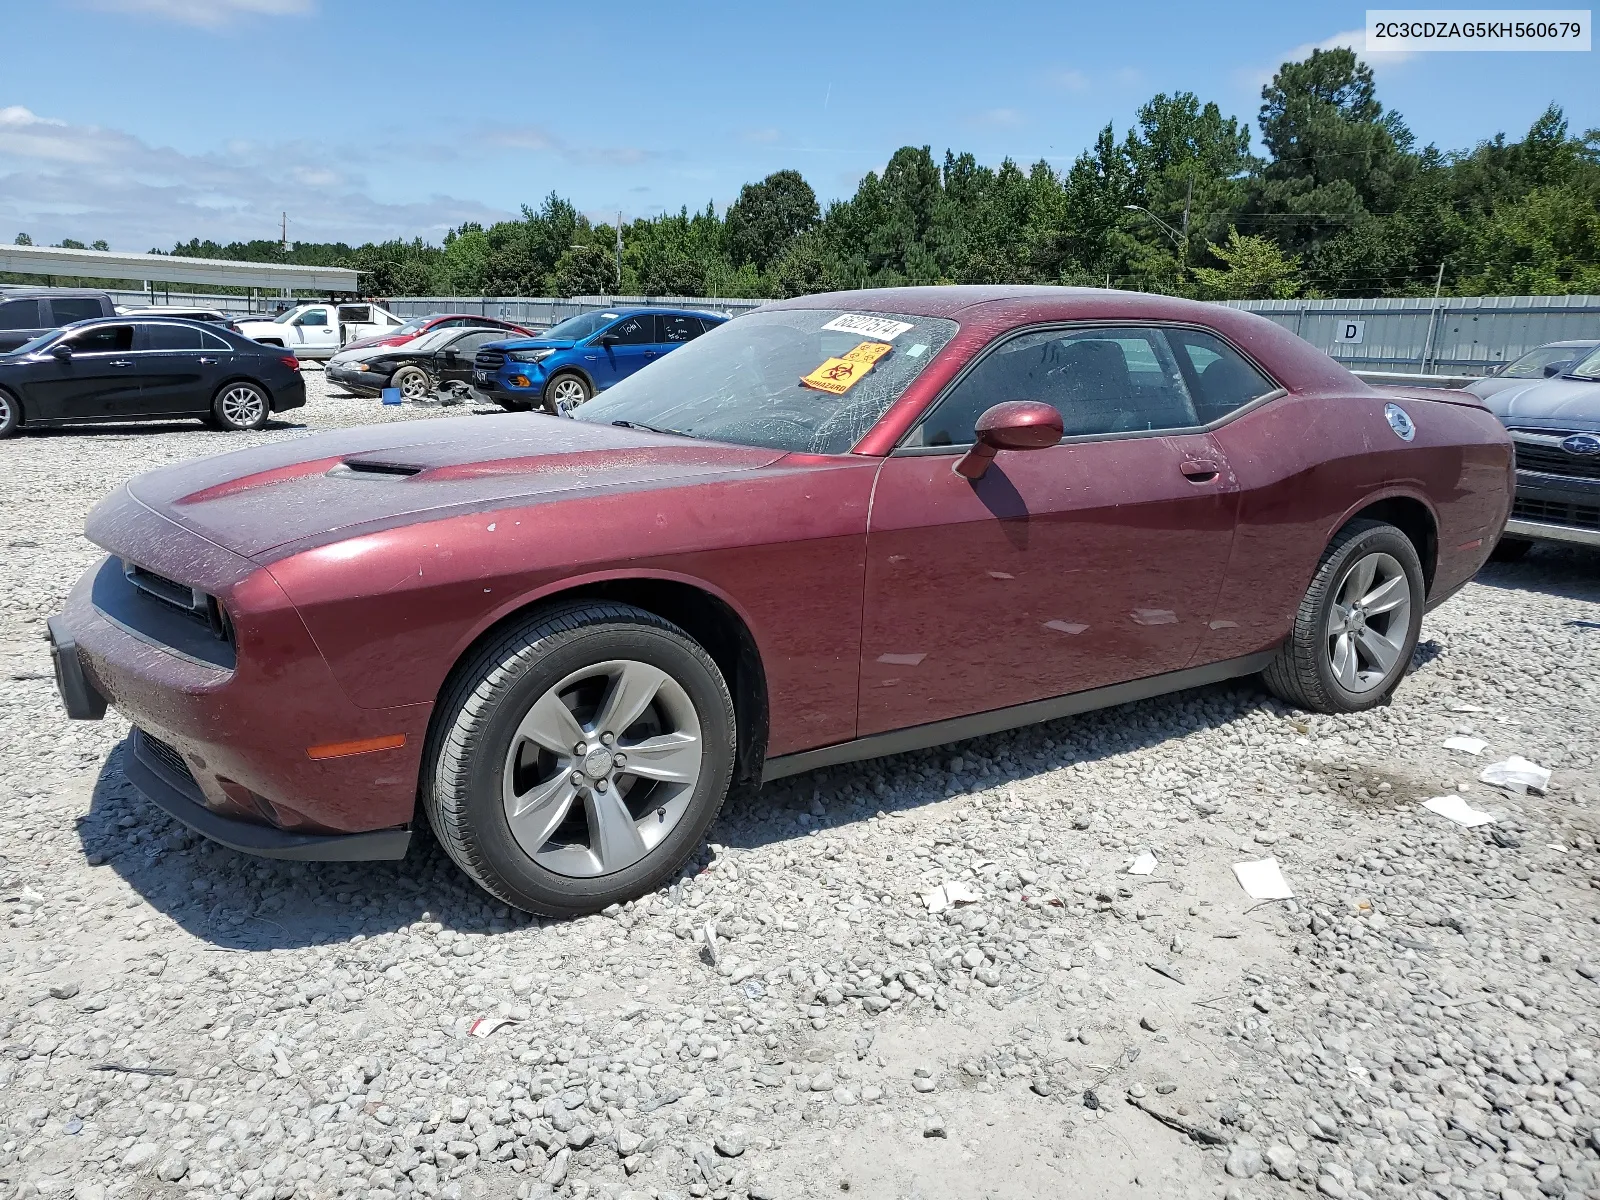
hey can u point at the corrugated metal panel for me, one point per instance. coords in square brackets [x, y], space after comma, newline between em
[1469, 333]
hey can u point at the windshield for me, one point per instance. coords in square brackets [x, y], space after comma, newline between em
[1589, 368]
[813, 380]
[38, 343]
[1532, 364]
[410, 326]
[428, 342]
[581, 326]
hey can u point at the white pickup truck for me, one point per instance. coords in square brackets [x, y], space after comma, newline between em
[322, 329]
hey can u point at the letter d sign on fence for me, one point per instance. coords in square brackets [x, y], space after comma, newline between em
[1350, 331]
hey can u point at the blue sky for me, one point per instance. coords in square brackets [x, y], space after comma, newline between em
[146, 121]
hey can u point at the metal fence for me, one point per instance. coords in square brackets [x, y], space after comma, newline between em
[1452, 336]
[1460, 336]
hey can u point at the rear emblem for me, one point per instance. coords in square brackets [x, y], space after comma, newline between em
[1399, 421]
[1581, 443]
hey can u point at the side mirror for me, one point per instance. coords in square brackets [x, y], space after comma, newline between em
[452, 352]
[607, 339]
[63, 351]
[1557, 368]
[1014, 425]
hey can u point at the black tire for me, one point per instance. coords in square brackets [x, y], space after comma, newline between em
[415, 384]
[1510, 549]
[565, 381]
[479, 714]
[10, 414]
[240, 405]
[1303, 673]
[511, 405]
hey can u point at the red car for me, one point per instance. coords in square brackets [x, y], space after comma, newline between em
[843, 526]
[417, 326]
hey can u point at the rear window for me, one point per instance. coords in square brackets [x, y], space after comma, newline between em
[68, 309]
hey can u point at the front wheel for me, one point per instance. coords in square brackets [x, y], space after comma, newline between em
[579, 758]
[239, 406]
[414, 383]
[564, 393]
[1357, 626]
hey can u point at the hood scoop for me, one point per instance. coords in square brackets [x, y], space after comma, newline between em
[369, 469]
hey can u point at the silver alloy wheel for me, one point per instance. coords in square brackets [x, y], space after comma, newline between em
[601, 768]
[1368, 622]
[5, 410]
[243, 406]
[568, 393]
[414, 385]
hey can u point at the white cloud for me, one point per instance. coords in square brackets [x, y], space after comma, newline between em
[997, 118]
[1349, 39]
[1068, 80]
[207, 14]
[535, 138]
[59, 179]
[761, 137]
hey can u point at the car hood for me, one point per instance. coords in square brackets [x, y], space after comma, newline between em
[1558, 403]
[271, 500]
[1491, 385]
[531, 344]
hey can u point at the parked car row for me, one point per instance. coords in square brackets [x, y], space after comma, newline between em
[137, 367]
[1549, 401]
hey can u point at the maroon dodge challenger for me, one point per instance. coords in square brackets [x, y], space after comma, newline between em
[842, 526]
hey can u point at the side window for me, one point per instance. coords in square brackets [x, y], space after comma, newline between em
[678, 329]
[355, 314]
[67, 309]
[102, 339]
[312, 316]
[210, 341]
[173, 337]
[635, 331]
[20, 314]
[469, 343]
[1112, 380]
[1220, 380]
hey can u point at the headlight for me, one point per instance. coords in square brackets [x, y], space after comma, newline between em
[529, 355]
[358, 366]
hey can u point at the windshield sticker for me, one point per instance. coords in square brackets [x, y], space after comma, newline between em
[873, 327]
[917, 351]
[868, 352]
[836, 376]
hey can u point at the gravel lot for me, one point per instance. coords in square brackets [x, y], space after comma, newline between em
[1420, 1020]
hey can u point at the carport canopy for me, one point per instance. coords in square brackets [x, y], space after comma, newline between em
[165, 268]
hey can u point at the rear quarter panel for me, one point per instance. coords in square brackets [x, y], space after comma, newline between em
[1308, 462]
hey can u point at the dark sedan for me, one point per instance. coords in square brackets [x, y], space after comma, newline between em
[417, 368]
[136, 368]
[839, 527]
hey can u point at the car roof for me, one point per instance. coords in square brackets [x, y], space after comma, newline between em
[23, 291]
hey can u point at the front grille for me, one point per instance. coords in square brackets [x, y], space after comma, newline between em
[489, 360]
[191, 602]
[1553, 460]
[1556, 512]
[167, 755]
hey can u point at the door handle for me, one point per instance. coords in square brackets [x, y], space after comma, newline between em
[1199, 470]
[120, 362]
[209, 362]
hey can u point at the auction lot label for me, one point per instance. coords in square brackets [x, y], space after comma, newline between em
[1412, 30]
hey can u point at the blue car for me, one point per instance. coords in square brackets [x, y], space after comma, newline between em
[570, 362]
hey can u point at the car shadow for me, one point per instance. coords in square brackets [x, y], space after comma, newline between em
[1571, 572]
[125, 428]
[239, 902]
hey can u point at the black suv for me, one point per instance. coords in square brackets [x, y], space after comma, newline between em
[27, 312]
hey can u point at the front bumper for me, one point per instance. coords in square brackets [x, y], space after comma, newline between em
[160, 775]
[1556, 508]
[363, 383]
[498, 386]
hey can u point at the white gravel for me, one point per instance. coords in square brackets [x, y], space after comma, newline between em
[1420, 1021]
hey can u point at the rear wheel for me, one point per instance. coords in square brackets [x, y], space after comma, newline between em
[10, 414]
[1357, 626]
[414, 383]
[579, 759]
[564, 393]
[1510, 549]
[239, 406]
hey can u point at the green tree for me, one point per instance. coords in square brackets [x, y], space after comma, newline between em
[584, 270]
[22, 239]
[1255, 269]
[769, 215]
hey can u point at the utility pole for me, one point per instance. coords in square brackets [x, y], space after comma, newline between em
[1188, 201]
[1433, 314]
[619, 253]
[285, 235]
